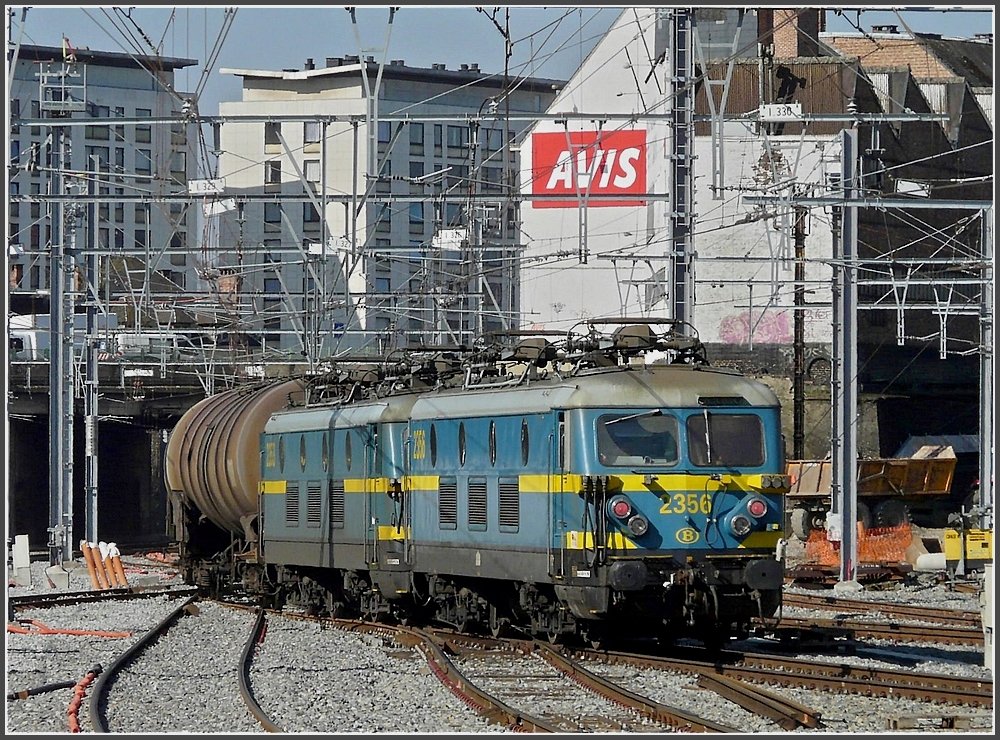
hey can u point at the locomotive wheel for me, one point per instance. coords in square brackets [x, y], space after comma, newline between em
[801, 522]
[891, 513]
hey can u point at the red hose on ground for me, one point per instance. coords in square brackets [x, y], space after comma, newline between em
[78, 693]
[36, 627]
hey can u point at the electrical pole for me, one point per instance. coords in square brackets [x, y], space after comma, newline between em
[680, 76]
[798, 338]
[844, 390]
[91, 395]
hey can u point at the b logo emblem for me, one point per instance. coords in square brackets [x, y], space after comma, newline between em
[687, 535]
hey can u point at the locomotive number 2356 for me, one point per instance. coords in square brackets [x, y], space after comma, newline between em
[687, 503]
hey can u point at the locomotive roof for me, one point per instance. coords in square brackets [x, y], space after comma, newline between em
[323, 417]
[676, 386]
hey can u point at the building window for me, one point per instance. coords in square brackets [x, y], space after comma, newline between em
[272, 287]
[178, 162]
[178, 240]
[416, 168]
[143, 161]
[416, 138]
[101, 154]
[384, 132]
[272, 133]
[311, 170]
[417, 213]
[458, 136]
[438, 135]
[272, 172]
[143, 134]
[140, 238]
[272, 213]
[309, 213]
[119, 159]
[119, 129]
[119, 213]
[310, 132]
[140, 213]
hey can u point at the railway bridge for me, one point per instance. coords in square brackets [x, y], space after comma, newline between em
[139, 401]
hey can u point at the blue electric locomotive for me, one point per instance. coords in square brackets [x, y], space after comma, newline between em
[565, 489]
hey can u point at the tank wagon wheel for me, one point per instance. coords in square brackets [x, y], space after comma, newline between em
[891, 513]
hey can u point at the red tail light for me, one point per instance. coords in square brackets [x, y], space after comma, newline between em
[757, 507]
[620, 507]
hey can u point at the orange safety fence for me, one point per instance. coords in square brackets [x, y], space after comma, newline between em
[878, 545]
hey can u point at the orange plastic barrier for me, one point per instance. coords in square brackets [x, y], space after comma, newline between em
[880, 545]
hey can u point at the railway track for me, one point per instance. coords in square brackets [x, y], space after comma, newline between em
[526, 685]
[68, 598]
[835, 677]
[954, 617]
[894, 631]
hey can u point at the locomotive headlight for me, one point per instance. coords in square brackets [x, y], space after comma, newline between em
[619, 507]
[638, 525]
[757, 507]
[740, 525]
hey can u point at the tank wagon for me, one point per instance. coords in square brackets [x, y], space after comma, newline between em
[565, 488]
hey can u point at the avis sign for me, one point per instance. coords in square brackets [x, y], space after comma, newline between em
[589, 163]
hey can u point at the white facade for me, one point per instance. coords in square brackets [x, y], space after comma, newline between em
[347, 241]
[743, 265]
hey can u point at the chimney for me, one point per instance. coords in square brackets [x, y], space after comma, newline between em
[309, 64]
[334, 61]
[352, 59]
[474, 67]
[438, 65]
[370, 59]
[797, 31]
[464, 67]
[888, 28]
[987, 37]
[396, 63]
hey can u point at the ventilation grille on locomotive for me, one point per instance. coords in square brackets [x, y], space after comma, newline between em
[477, 502]
[337, 504]
[510, 504]
[314, 504]
[292, 505]
[448, 504]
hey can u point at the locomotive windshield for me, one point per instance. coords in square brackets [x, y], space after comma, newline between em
[725, 439]
[646, 438]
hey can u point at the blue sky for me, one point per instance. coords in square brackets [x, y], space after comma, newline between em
[547, 41]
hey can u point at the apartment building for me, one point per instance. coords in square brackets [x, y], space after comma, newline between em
[144, 238]
[368, 207]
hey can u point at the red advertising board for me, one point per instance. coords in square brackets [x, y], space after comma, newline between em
[588, 163]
